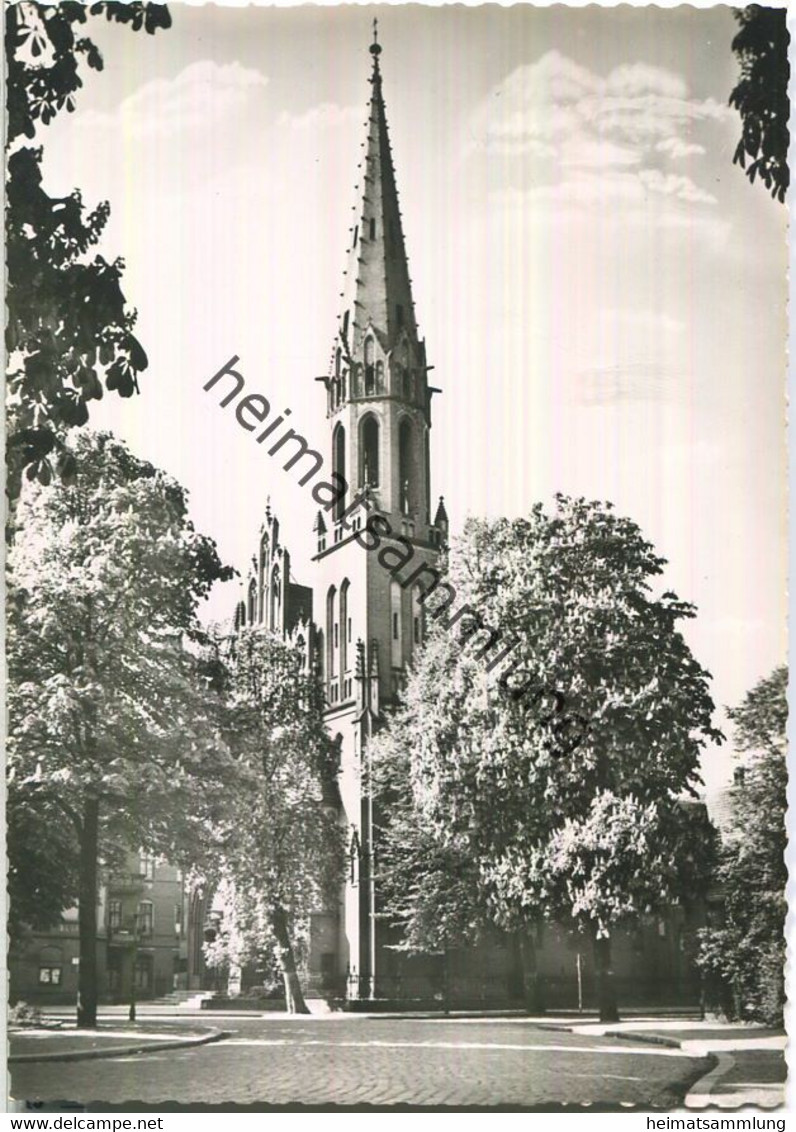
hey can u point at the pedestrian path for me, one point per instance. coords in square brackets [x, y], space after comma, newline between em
[748, 1061]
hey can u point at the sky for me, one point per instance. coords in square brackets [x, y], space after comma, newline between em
[602, 293]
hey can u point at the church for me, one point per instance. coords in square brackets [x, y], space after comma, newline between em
[360, 624]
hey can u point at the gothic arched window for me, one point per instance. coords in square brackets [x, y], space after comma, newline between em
[406, 466]
[396, 626]
[343, 626]
[370, 373]
[338, 465]
[276, 595]
[330, 627]
[379, 377]
[417, 616]
[369, 447]
[265, 554]
[252, 601]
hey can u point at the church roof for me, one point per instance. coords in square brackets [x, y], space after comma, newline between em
[378, 288]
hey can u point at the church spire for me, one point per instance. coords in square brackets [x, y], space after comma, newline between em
[378, 289]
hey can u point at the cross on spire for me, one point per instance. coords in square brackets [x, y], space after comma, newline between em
[375, 47]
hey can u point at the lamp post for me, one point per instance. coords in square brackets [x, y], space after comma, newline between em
[133, 965]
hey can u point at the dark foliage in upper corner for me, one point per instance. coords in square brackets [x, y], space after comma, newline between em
[43, 54]
[761, 96]
[68, 326]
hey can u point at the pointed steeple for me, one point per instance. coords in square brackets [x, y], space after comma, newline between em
[378, 289]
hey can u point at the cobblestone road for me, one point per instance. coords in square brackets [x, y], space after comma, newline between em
[377, 1061]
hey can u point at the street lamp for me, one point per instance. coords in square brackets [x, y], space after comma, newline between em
[134, 963]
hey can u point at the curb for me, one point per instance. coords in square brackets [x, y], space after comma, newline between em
[644, 1039]
[638, 1036]
[120, 1051]
[700, 1095]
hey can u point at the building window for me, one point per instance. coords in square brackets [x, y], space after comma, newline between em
[143, 973]
[373, 229]
[345, 326]
[240, 615]
[369, 447]
[252, 601]
[417, 614]
[343, 621]
[146, 918]
[399, 315]
[336, 635]
[50, 976]
[331, 626]
[353, 858]
[146, 866]
[396, 649]
[338, 467]
[114, 914]
[406, 467]
[178, 919]
[370, 371]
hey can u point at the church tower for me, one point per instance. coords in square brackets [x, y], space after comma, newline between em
[366, 605]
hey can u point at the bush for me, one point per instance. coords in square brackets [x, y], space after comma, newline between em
[24, 1015]
[267, 990]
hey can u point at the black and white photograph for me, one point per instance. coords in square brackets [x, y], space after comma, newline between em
[396, 559]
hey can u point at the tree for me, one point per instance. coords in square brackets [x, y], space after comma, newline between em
[42, 863]
[747, 952]
[280, 849]
[561, 775]
[68, 328]
[761, 96]
[112, 716]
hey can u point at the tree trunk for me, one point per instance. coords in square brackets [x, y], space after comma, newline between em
[87, 917]
[294, 999]
[533, 995]
[604, 979]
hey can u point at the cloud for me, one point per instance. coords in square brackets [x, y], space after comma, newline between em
[569, 141]
[203, 95]
[632, 79]
[557, 98]
[319, 119]
[597, 153]
[675, 148]
[672, 184]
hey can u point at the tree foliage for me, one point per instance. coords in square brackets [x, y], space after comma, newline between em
[559, 778]
[747, 951]
[69, 332]
[43, 863]
[112, 716]
[280, 848]
[761, 96]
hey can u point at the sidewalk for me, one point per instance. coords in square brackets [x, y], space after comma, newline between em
[64, 1042]
[749, 1064]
